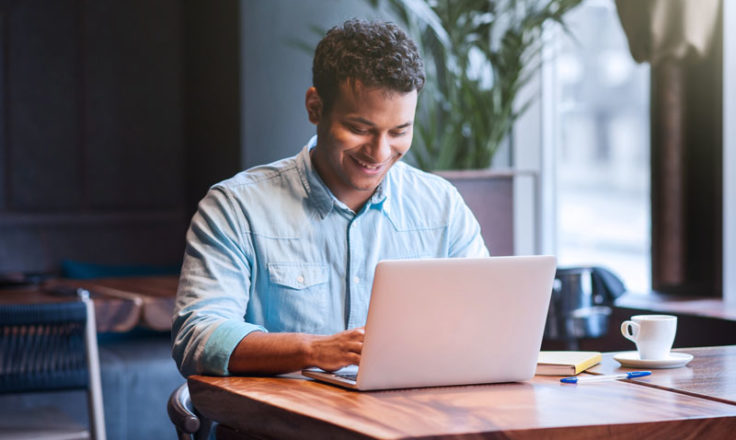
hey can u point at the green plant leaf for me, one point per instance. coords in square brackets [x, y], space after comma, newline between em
[478, 54]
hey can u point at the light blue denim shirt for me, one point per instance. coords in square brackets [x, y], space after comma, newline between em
[272, 249]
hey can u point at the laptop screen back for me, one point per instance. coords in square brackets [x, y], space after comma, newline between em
[436, 322]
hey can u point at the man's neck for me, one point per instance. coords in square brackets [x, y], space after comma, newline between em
[355, 200]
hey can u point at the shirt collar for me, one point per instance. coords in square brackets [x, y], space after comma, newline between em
[380, 197]
[320, 196]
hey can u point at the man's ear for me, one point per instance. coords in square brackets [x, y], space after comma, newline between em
[314, 105]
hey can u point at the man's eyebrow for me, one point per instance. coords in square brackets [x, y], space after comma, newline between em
[371, 124]
[361, 120]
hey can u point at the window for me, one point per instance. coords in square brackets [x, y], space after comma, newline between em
[601, 111]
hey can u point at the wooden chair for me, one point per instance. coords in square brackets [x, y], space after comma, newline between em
[188, 423]
[49, 347]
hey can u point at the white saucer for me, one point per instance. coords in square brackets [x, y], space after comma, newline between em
[674, 360]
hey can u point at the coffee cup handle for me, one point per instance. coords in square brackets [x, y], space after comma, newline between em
[630, 326]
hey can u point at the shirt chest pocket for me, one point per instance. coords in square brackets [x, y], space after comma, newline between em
[297, 276]
[299, 297]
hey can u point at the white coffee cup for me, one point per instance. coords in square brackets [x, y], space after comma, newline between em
[652, 334]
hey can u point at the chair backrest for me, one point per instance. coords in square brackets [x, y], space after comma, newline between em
[42, 347]
[52, 346]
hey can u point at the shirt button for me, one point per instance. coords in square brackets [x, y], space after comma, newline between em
[356, 280]
[300, 279]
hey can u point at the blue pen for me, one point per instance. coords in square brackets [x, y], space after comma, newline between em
[601, 378]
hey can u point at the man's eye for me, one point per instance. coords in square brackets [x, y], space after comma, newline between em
[358, 130]
[398, 133]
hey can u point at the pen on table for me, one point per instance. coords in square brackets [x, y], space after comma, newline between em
[602, 378]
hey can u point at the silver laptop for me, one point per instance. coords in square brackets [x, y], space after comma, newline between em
[451, 321]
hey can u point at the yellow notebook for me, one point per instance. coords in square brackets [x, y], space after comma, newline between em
[566, 363]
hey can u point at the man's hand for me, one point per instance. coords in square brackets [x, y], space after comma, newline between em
[336, 351]
[275, 353]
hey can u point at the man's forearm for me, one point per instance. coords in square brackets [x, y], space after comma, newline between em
[275, 353]
[270, 353]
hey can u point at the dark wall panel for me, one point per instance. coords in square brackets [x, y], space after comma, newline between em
[4, 176]
[42, 106]
[37, 247]
[23, 250]
[133, 118]
[212, 94]
[91, 150]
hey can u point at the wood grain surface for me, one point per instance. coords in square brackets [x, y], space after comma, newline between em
[157, 295]
[150, 300]
[121, 304]
[710, 375]
[112, 313]
[296, 408]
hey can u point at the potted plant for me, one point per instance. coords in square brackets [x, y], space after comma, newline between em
[478, 54]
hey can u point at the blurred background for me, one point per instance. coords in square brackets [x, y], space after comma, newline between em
[116, 118]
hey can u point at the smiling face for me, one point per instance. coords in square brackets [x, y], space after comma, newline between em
[364, 133]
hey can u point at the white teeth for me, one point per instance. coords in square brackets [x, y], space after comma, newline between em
[365, 165]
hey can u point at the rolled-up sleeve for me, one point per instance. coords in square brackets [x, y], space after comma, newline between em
[214, 288]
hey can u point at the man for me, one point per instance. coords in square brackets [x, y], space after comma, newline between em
[279, 262]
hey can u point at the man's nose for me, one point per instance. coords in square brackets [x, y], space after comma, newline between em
[381, 148]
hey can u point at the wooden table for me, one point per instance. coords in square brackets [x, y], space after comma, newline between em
[121, 304]
[293, 407]
[710, 375]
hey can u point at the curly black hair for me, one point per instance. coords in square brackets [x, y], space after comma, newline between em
[378, 54]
